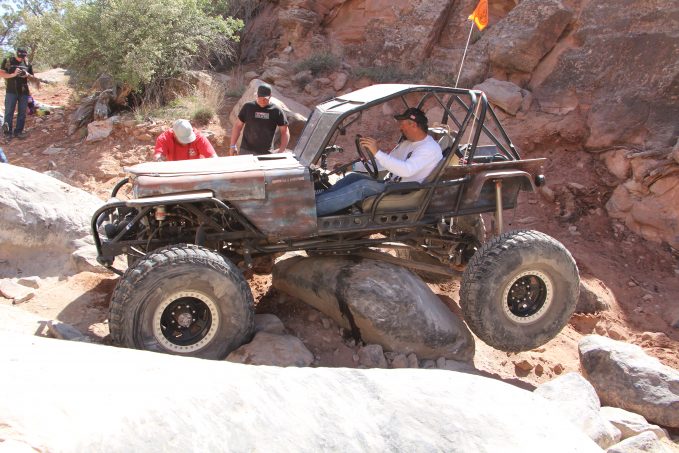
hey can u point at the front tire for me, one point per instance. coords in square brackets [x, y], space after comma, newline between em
[185, 300]
[519, 290]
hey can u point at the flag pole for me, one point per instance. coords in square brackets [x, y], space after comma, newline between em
[464, 54]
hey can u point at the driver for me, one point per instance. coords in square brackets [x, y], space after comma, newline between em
[411, 160]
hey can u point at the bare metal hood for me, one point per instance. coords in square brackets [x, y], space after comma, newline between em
[211, 166]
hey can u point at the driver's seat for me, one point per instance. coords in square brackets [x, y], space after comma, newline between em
[414, 197]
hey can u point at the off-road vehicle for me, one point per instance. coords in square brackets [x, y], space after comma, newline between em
[189, 224]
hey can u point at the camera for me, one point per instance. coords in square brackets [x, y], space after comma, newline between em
[22, 71]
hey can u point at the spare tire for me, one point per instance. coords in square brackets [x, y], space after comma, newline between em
[519, 290]
[184, 300]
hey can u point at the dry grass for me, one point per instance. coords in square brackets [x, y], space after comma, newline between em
[200, 106]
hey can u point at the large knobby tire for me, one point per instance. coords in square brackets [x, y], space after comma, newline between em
[185, 300]
[519, 290]
[471, 224]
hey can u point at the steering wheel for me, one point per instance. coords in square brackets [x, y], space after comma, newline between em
[367, 158]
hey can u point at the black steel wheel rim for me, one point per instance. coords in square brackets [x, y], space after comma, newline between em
[526, 296]
[186, 321]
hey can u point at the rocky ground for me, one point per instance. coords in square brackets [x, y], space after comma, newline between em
[637, 279]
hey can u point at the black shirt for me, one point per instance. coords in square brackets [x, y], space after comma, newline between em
[17, 85]
[260, 126]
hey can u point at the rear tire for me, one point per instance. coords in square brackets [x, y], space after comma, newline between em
[185, 300]
[519, 290]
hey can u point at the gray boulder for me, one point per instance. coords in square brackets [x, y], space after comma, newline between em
[159, 402]
[625, 376]
[590, 300]
[269, 323]
[273, 349]
[505, 95]
[629, 423]
[43, 221]
[578, 399]
[389, 305]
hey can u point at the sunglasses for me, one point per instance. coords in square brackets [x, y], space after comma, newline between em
[21, 55]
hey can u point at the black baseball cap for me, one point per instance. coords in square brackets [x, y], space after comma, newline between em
[264, 90]
[413, 114]
[21, 52]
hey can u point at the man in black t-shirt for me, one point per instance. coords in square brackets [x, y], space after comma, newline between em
[258, 121]
[17, 71]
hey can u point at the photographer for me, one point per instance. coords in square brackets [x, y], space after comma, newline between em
[17, 71]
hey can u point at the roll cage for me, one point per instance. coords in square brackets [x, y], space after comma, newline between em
[333, 116]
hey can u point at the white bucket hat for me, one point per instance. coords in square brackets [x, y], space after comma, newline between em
[183, 132]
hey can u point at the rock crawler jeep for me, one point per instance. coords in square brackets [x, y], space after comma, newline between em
[189, 223]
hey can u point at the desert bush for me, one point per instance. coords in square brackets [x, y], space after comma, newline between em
[203, 116]
[136, 42]
[236, 86]
[319, 63]
[200, 107]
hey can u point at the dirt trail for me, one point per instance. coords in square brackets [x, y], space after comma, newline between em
[635, 277]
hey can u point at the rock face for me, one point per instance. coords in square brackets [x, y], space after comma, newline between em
[604, 76]
[43, 222]
[383, 303]
[520, 41]
[245, 408]
[625, 377]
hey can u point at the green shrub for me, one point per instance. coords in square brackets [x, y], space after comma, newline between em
[203, 116]
[319, 63]
[200, 107]
[137, 43]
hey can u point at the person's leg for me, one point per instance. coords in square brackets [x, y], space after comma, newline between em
[336, 199]
[348, 179]
[22, 102]
[10, 103]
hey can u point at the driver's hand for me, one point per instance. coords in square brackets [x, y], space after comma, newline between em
[370, 144]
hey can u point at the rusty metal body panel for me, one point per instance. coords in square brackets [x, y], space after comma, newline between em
[289, 208]
[274, 192]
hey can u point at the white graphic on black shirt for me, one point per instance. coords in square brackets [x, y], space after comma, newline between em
[262, 115]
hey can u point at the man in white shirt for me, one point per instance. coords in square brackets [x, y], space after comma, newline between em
[411, 160]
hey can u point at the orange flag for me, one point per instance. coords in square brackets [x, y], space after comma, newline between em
[480, 14]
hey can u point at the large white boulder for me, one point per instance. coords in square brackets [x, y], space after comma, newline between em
[579, 401]
[67, 396]
[43, 221]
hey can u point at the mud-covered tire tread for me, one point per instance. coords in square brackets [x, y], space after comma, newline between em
[120, 318]
[487, 262]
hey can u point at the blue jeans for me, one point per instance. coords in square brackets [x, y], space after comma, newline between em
[349, 190]
[11, 101]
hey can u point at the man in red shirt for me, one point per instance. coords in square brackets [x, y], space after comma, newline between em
[182, 142]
